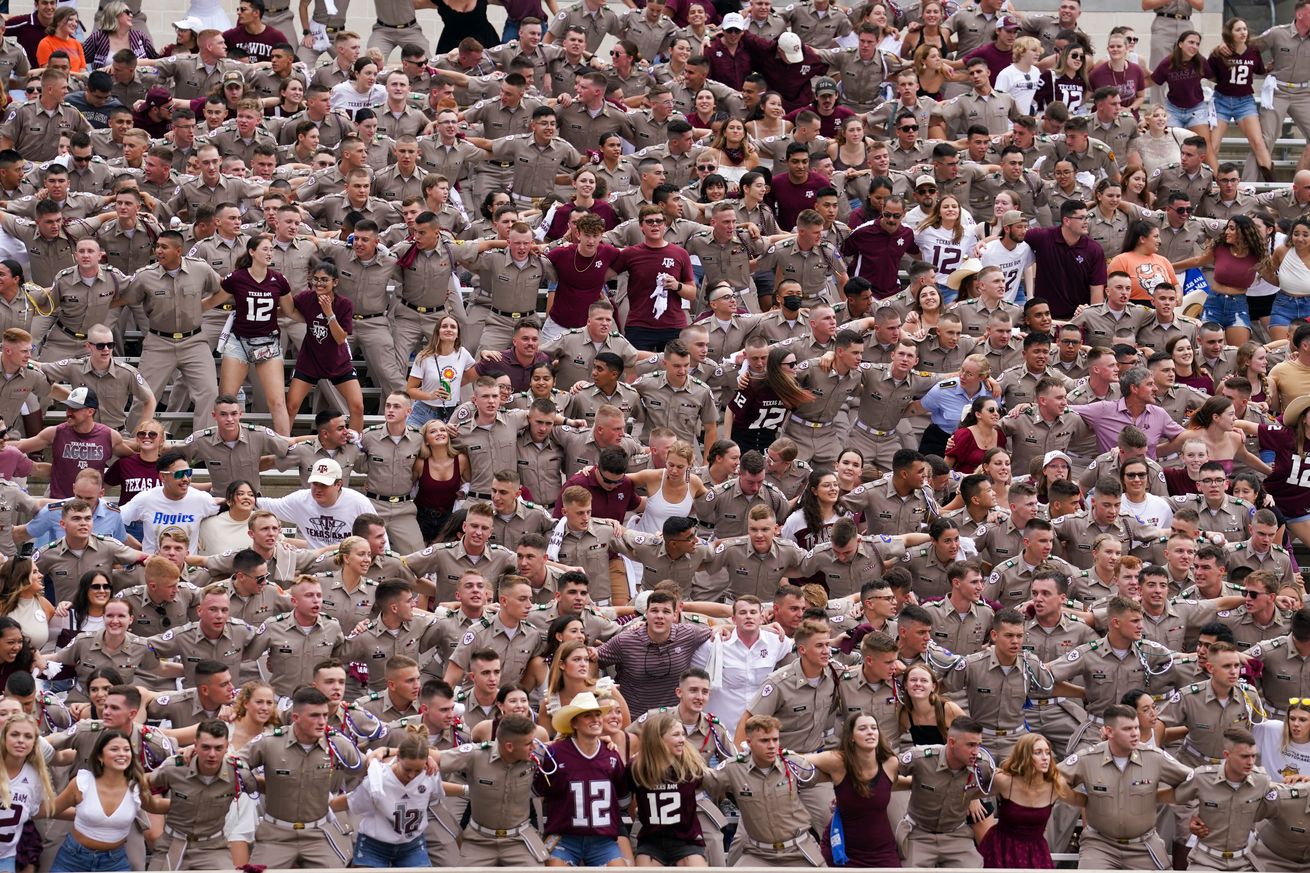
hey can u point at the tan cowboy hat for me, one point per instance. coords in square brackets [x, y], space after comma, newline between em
[581, 703]
[971, 267]
[1294, 410]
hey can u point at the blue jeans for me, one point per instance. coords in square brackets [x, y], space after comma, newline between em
[1227, 310]
[1288, 308]
[74, 857]
[1189, 118]
[422, 413]
[583, 851]
[511, 32]
[375, 853]
[1234, 109]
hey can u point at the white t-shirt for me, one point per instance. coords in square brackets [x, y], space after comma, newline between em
[1280, 763]
[222, 533]
[940, 249]
[156, 512]
[390, 812]
[1154, 510]
[321, 526]
[1019, 85]
[1012, 264]
[25, 789]
[344, 97]
[432, 369]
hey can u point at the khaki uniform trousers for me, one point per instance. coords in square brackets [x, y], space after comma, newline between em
[746, 853]
[920, 848]
[402, 524]
[373, 337]
[1097, 852]
[479, 313]
[1271, 121]
[192, 362]
[391, 38]
[1267, 862]
[877, 448]
[818, 445]
[171, 853]
[818, 800]
[58, 345]
[1202, 859]
[523, 849]
[1164, 33]
[279, 848]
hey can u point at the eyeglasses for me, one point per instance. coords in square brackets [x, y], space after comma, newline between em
[1134, 475]
[908, 128]
[321, 280]
[183, 474]
[101, 586]
[103, 347]
[1212, 481]
[148, 435]
[1071, 342]
[164, 620]
[1182, 210]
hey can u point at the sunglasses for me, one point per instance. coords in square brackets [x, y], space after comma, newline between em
[1134, 475]
[789, 363]
[1132, 40]
[164, 620]
[894, 216]
[706, 168]
[103, 347]
[148, 435]
[1182, 210]
[101, 586]
[608, 481]
[926, 189]
[33, 90]
[183, 474]
[909, 127]
[1299, 701]
[1252, 595]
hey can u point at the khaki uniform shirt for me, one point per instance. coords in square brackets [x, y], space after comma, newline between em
[388, 461]
[114, 387]
[87, 653]
[960, 633]
[756, 573]
[1121, 804]
[172, 300]
[189, 644]
[34, 131]
[515, 650]
[1011, 582]
[886, 512]
[1106, 678]
[769, 800]
[1206, 717]
[939, 801]
[997, 695]
[199, 804]
[843, 578]
[446, 562]
[1230, 812]
[297, 782]
[292, 653]
[64, 566]
[808, 713]
[225, 462]
[180, 709]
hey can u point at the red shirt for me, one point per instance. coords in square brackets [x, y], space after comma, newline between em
[255, 303]
[789, 199]
[576, 289]
[644, 264]
[828, 124]
[726, 67]
[878, 255]
[791, 81]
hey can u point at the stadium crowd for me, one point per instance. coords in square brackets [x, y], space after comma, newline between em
[806, 436]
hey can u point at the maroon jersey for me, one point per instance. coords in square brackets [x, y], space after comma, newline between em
[74, 452]
[1289, 480]
[668, 810]
[757, 416]
[254, 304]
[1234, 76]
[644, 264]
[584, 796]
[581, 282]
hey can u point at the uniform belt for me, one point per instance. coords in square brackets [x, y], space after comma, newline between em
[1022, 729]
[1191, 748]
[778, 847]
[507, 314]
[296, 825]
[68, 330]
[331, 30]
[1044, 701]
[1174, 15]
[411, 23]
[498, 832]
[370, 315]
[871, 430]
[388, 498]
[812, 424]
[191, 838]
[175, 335]
[425, 310]
[1125, 841]
[1276, 712]
[1095, 719]
[1215, 853]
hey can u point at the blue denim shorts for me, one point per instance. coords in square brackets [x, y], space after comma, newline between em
[375, 853]
[1227, 310]
[1234, 109]
[1288, 308]
[580, 851]
[1189, 118]
[73, 857]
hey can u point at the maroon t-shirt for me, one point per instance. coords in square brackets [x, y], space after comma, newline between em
[1234, 76]
[133, 475]
[584, 796]
[1184, 83]
[996, 59]
[579, 283]
[1130, 82]
[255, 303]
[668, 810]
[878, 255]
[644, 264]
[791, 81]
[615, 504]
[74, 452]
[789, 199]
[559, 222]
[259, 47]
[1284, 482]
[321, 356]
[828, 124]
[1179, 483]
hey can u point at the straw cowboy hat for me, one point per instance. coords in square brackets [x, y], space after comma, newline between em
[1294, 410]
[581, 703]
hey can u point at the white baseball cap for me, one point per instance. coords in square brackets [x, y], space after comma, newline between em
[190, 23]
[325, 472]
[790, 44]
[733, 20]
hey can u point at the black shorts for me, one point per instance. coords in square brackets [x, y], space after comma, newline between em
[335, 380]
[1260, 307]
[665, 849]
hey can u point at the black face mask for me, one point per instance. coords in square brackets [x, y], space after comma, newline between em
[792, 302]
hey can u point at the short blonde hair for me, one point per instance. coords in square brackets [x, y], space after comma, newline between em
[1022, 45]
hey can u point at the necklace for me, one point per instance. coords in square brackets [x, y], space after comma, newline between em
[585, 268]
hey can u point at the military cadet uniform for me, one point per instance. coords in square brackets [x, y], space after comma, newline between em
[1107, 464]
[775, 822]
[1032, 436]
[87, 653]
[1121, 806]
[879, 427]
[755, 573]
[20, 311]
[46, 256]
[298, 827]
[227, 462]
[726, 261]
[877, 699]
[13, 501]
[194, 837]
[815, 269]
[960, 633]
[650, 553]
[64, 566]
[377, 644]
[150, 746]
[576, 352]
[1172, 178]
[843, 578]
[114, 388]
[928, 570]
[515, 650]
[808, 714]
[490, 447]
[292, 653]
[382, 706]
[998, 543]
[391, 185]
[424, 296]
[1056, 718]
[527, 518]
[500, 799]
[1232, 518]
[78, 306]
[1179, 624]
[388, 463]
[1106, 678]
[1280, 844]
[180, 709]
[971, 527]
[1230, 812]
[1076, 533]
[34, 131]
[723, 509]
[886, 512]
[189, 644]
[1285, 673]
[446, 562]
[686, 410]
[283, 567]
[935, 831]
[1247, 631]
[534, 166]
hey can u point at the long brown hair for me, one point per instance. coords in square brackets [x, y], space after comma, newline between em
[938, 702]
[934, 217]
[245, 259]
[1176, 55]
[1019, 764]
[850, 756]
[783, 383]
[14, 582]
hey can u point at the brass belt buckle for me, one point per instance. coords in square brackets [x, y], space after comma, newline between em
[177, 336]
[778, 847]
[297, 825]
[502, 832]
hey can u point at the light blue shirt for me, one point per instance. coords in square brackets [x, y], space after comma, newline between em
[946, 402]
[44, 527]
